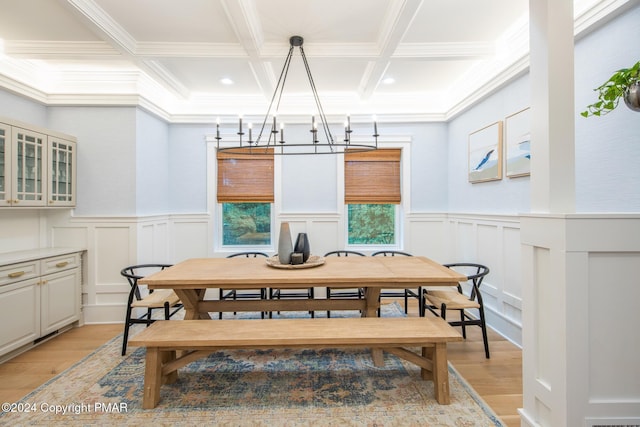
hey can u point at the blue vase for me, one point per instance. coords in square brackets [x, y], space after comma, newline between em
[302, 246]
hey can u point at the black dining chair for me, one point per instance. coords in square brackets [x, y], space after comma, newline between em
[148, 300]
[302, 293]
[236, 294]
[353, 293]
[400, 293]
[439, 301]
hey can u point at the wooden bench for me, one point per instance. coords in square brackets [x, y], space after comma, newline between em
[172, 344]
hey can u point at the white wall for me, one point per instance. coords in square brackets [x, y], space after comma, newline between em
[607, 148]
[429, 160]
[21, 109]
[106, 156]
[506, 196]
[151, 165]
[188, 167]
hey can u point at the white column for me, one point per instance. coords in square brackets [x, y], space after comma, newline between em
[546, 276]
[552, 110]
[580, 286]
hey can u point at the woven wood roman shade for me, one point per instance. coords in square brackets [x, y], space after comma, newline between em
[372, 176]
[245, 178]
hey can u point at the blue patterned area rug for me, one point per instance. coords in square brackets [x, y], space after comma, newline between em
[253, 388]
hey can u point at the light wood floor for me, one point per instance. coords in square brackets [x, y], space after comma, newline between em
[497, 380]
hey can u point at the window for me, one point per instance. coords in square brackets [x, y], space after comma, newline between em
[245, 191]
[372, 196]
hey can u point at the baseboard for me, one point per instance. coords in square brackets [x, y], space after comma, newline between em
[18, 351]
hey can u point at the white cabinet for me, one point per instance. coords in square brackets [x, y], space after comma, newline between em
[5, 164]
[37, 167]
[61, 171]
[37, 297]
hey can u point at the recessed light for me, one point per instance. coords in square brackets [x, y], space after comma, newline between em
[388, 80]
[226, 81]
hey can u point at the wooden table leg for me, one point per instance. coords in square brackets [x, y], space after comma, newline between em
[426, 374]
[191, 300]
[441, 373]
[166, 357]
[152, 378]
[377, 356]
[372, 303]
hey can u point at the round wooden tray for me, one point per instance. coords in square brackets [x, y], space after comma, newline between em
[313, 261]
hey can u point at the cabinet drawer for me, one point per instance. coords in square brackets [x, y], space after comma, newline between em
[60, 263]
[17, 272]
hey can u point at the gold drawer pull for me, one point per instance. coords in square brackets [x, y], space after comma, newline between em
[16, 274]
[62, 264]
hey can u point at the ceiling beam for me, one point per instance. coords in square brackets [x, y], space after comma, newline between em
[401, 14]
[242, 15]
[107, 29]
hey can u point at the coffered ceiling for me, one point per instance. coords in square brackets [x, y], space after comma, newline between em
[189, 60]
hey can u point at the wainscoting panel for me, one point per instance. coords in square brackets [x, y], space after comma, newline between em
[427, 235]
[111, 244]
[493, 240]
[613, 294]
[153, 239]
[192, 237]
[109, 260]
[324, 230]
[580, 294]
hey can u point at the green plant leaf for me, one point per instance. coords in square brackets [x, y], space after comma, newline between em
[610, 92]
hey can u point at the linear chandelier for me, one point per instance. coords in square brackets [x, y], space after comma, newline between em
[270, 139]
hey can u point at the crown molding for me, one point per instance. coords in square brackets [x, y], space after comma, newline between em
[499, 79]
[323, 50]
[445, 50]
[597, 13]
[105, 24]
[155, 89]
[167, 78]
[195, 50]
[35, 49]
[12, 85]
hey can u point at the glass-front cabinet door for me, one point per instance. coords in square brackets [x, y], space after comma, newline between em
[29, 186]
[5, 165]
[62, 172]
[37, 167]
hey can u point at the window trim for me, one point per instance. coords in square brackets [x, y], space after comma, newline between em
[388, 141]
[214, 208]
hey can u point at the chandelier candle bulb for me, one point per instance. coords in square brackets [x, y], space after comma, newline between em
[218, 128]
[346, 132]
[314, 130]
[281, 133]
[240, 125]
[250, 126]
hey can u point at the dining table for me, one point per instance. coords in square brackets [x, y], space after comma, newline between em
[191, 278]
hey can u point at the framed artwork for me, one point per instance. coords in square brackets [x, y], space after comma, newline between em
[517, 131]
[485, 153]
